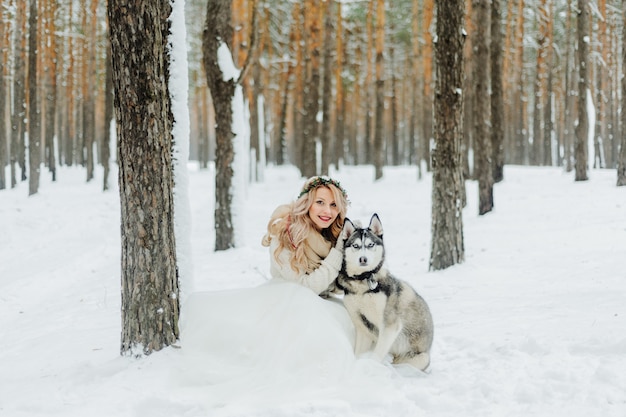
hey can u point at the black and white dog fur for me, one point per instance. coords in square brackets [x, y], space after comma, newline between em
[388, 315]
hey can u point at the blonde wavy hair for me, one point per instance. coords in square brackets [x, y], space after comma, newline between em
[291, 224]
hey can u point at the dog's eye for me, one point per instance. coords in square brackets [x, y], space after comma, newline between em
[370, 245]
[355, 246]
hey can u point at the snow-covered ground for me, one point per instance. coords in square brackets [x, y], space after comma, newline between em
[533, 323]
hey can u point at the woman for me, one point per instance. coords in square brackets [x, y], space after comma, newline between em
[279, 340]
[303, 236]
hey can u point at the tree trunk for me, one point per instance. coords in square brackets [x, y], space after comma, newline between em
[497, 94]
[18, 126]
[367, 86]
[4, 39]
[51, 87]
[414, 155]
[568, 131]
[108, 117]
[216, 31]
[427, 97]
[327, 148]
[340, 103]
[379, 155]
[481, 136]
[447, 216]
[298, 69]
[582, 129]
[621, 162]
[312, 24]
[150, 290]
[34, 116]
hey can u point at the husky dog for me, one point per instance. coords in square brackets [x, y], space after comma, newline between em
[389, 316]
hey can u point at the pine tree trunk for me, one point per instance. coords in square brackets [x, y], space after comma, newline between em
[481, 135]
[497, 94]
[568, 131]
[312, 24]
[427, 97]
[582, 129]
[51, 87]
[447, 217]
[4, 39]
[367, 140]
[18, 127]
[108, 117]
[379, 153]
[327, 95]
[150, 293]
[340, 103]
[34, 116]
[621, 162]
[218, 30]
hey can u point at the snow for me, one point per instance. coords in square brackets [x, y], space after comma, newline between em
[179, 94]
[226, 63]
[531, 324]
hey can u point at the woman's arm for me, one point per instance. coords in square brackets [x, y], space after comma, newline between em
[318, 280]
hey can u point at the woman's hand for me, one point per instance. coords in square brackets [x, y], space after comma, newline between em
[341, 239]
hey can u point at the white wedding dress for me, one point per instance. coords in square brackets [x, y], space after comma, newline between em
[266, 344]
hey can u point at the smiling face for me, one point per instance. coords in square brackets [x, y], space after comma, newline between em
[324, 209]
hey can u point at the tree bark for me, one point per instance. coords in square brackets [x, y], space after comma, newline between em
[4, 39]
[150, 291]
[447, 247]
[313, 30]
[340, 103]
[481, 136]
[621, 162]
[108, 117]
[582, 129]
[51, 87]
[379, 153]
[327, 148]
[217, 30]
[34, 116]
[497, 93]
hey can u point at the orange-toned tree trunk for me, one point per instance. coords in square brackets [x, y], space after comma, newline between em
[339, 95]
[313, 46]
[50, 70]
[427, 75]
[18, 117]
[325, 138]
[367, 140]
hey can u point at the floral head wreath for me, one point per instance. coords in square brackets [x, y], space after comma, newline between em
[315, 182]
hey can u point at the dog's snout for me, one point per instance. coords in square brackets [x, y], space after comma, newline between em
[363, 260]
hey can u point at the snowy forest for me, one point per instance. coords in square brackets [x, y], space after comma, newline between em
[145, 144]
[363, 71]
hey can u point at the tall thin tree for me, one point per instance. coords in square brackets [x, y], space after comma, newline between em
[139, 33]
[216, 46]
[447, 247]
[621, 163]
[497, 93]
[34, 117]
[582, 128]
[480, 77]
[379, 155]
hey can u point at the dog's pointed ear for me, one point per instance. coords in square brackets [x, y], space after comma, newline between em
[376, 226]
[348, 226]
